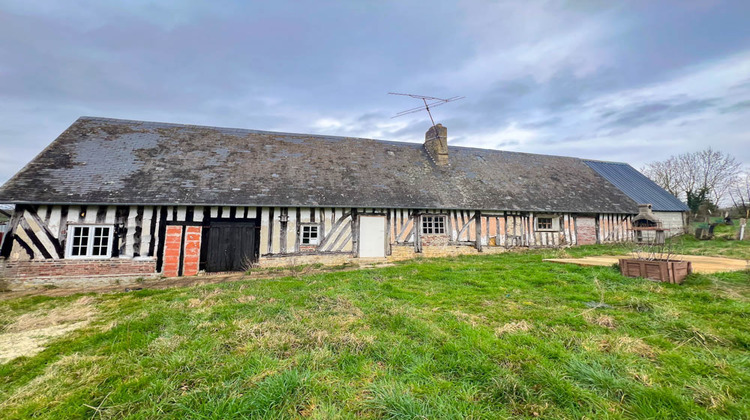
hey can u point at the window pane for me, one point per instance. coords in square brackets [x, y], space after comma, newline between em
[90, 240]
[544, 223]
[80, 240]
[309, 234]
[433, 224]
[103, 242]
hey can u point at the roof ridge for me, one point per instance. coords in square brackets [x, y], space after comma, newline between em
[614, 162]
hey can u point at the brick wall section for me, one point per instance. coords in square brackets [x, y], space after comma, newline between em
[71, 267]
[31, 273]
[586, 230]
[172, 251]
[192, 251]
[434, 240]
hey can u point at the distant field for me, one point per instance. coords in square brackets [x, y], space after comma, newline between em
[480, 337]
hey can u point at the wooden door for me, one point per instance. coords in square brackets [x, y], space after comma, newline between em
[231, 246]
[371, 236]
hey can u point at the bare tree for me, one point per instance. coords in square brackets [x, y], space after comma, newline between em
[740, 193]
[708, 170]
[666, 174]
[717, 172]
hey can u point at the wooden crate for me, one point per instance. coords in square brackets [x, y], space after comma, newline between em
[659, 270]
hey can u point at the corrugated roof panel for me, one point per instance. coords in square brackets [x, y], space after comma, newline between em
[637, 186]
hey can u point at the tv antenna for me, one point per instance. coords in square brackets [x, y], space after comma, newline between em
[429, 101]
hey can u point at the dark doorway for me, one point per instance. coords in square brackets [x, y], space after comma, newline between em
[231, 246]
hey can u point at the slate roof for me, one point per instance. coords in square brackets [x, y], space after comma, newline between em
[637, 186]
[109, 161]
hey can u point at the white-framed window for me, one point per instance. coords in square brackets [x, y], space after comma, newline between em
[309, 235]
[548, 223]
[89, 241]
[433, 225]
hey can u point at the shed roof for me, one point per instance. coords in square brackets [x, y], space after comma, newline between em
[637, 186]
[103, 161]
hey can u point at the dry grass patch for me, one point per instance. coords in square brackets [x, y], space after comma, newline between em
[206, 299]
[82, 309]
[513, 327]
[30, 332]
[706, 396]
[330, 322]
[269, 335]
[59, 380]
[246, 299]
[625, 344]
[605, 321]
[166, 344]
[471, 319]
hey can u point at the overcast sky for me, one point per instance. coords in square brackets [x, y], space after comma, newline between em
[631, 81]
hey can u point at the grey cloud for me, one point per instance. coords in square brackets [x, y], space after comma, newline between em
[737, 107]
[507, 143]
[653, 112]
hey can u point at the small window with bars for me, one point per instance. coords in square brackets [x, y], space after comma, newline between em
[309, 235]
[544, 223]
[432, 225]
[89, 241]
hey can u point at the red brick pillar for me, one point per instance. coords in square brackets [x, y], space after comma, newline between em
[172, 251]
[192, 251]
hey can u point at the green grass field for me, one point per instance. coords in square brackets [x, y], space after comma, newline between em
[470, 337]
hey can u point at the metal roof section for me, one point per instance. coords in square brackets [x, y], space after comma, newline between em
[637, 186]
[110, 161]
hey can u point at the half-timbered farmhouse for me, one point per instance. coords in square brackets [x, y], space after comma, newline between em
[125, 199]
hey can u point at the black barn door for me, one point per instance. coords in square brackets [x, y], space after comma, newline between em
[231, 246]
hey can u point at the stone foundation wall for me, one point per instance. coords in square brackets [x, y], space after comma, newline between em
[33, 273]
[292, 260]
[398, 253]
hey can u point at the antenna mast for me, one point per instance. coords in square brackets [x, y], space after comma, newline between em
[429, 101]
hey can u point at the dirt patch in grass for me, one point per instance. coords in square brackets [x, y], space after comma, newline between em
[30, 332]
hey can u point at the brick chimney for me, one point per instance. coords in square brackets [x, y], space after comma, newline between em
[436, 144]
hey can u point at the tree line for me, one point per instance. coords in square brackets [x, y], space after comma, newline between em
[708, 178]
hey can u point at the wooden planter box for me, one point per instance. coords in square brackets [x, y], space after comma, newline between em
[659, 270]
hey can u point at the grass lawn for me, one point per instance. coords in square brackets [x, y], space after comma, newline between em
[479, 337]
